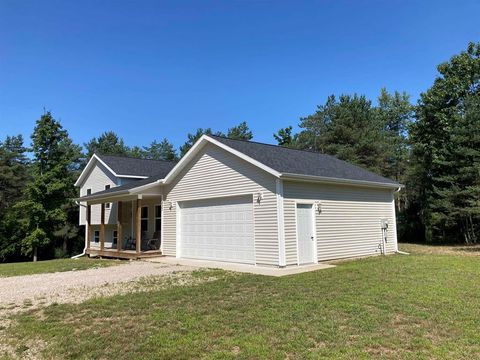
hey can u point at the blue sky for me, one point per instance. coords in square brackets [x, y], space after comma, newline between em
[154, 69]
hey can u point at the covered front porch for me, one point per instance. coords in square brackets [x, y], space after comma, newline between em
[129, 227]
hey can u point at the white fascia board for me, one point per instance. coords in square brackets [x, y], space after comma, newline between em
[184, 160]
[330, 180]
[89, 165]
[200, 143]
[132, 176]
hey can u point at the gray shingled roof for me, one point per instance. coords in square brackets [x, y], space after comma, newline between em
[301, 162]
[137, 167]
[281, 159]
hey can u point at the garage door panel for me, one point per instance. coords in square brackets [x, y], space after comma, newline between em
[218, 229]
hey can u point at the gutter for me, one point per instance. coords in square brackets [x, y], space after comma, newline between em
[331, 180]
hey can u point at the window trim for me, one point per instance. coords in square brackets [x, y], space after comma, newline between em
[89, 191]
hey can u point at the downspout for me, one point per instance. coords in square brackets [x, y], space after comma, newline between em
[85, 248]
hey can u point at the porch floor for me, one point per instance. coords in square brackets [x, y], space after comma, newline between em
[123, 254]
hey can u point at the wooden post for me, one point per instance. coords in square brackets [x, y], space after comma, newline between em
[138, 224]
[87, 225]
[119, 226]
[102, 227]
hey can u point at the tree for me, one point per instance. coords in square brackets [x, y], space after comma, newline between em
[240, 132]
[136, 152]
[163, 150]
[347, 128]
[284, 137]
[443, 152]
[48, 197]
[192, 139]
[395, 113]
[13, 177]
[108, 143]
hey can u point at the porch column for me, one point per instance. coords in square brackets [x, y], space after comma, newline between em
[138, 225]
[102, 227]
[119, 226]
[87, 224]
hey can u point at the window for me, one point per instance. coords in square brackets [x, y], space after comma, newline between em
[89, 191]
[115, 237]
[96, 236]
[158, 217]
[144, 219]
[107, 205]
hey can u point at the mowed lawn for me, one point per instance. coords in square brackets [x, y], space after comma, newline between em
[401, 307]
[49, 266]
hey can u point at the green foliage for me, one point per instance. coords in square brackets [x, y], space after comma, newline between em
[284, 137]
[240, 132]
[13, 177]
[108, 143]
[163, 150]
[48, 196]
[445, 151]
[395, 114]
[347, 128]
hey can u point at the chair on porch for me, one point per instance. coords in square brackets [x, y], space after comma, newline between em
[152, 243]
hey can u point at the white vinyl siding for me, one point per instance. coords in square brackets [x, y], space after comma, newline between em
[96, 180]
[349, 222]
[290, 232]
[215, 173]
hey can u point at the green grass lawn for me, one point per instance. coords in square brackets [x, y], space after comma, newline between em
[49, 266]
[421, 306]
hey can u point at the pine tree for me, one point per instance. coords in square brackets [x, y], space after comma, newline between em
[163, 150]
[108, 143]
[48, 197]
[13, 177]
[442, 119]
[240, 132]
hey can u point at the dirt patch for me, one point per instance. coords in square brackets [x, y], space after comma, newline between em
[459, 250]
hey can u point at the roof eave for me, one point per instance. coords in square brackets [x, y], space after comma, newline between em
[331, 180]
[112, 194]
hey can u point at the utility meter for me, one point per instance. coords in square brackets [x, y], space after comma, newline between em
[384, 223]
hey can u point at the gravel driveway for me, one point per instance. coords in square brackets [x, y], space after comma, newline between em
[20, 292]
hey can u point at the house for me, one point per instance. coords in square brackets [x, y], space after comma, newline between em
[237, 201]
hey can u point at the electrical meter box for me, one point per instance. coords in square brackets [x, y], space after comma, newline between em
[384, 223]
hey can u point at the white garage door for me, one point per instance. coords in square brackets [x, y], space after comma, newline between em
[218, 229]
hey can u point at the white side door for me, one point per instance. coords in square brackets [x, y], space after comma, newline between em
[305, 235]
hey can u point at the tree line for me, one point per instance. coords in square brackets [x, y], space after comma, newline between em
[433, 147]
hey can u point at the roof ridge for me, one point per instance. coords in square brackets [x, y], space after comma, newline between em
[275, 146]
[135, 158]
